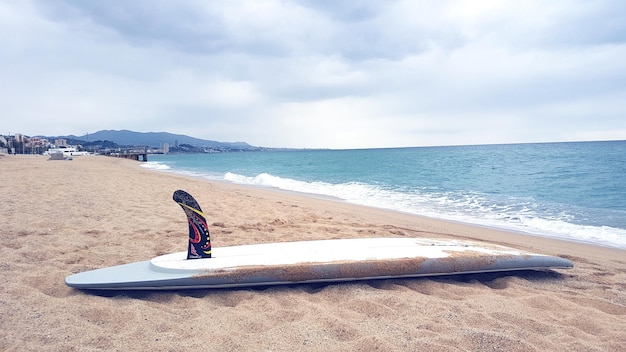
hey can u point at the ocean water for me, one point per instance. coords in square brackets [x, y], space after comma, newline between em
[575, 191]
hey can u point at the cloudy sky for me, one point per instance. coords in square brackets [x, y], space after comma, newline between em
[308, 73]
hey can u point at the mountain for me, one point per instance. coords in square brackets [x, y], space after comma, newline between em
[155, 139]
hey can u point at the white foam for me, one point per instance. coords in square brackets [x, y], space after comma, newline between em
[474, 208]
[155, 165]
[518, 214]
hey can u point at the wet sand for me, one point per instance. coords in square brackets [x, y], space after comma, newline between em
[63, 217]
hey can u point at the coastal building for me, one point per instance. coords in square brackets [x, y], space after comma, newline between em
[4, 145]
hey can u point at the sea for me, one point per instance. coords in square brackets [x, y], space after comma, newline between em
[574, 191]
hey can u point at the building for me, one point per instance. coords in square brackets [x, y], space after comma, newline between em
[4, 145]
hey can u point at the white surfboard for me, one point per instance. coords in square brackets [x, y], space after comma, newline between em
[305, 261]
[314, 261]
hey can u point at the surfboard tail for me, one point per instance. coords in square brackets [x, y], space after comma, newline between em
[199, 237]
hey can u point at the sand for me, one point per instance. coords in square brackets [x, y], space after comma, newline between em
[63, 217]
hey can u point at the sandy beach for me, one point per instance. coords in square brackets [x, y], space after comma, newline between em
[64, 217]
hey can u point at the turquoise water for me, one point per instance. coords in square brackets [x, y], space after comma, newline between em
[575, 191]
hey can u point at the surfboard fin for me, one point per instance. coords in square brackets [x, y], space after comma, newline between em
[199, 237]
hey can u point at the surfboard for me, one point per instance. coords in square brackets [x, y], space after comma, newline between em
[299, 262]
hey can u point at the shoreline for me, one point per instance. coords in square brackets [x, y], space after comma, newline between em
[63, 217]
[343, 201]
[491, 233]
[587, 234]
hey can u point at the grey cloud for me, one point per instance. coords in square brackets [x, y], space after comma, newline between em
[282, 72]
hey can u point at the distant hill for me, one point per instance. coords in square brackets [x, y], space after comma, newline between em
[154, 139]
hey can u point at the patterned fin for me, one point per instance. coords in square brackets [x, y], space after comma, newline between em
[199, 237]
